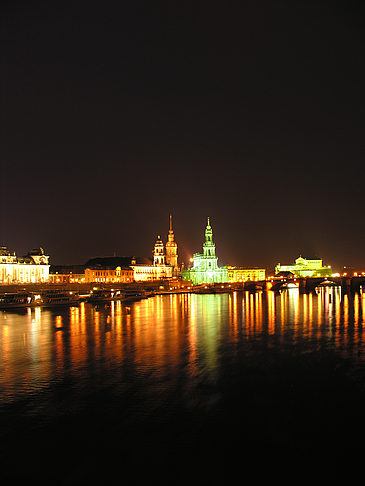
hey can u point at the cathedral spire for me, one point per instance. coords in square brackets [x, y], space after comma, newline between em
[171, 236]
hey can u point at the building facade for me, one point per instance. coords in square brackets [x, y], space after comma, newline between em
[162, 266]
[240, 274]
[165, 261]
[109, 270]
[59, 274]
[32, 268]
[205, 267]
[305, 268]
[159, 270]
[109, 275]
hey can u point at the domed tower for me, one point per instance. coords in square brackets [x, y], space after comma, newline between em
[171, 248]
[205, 265]
[159, 252]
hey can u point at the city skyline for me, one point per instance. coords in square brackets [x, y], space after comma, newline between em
[187, 262]
[117, 115]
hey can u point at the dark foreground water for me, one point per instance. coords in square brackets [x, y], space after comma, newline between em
[185, 389]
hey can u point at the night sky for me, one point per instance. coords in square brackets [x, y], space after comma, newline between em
[116, 114]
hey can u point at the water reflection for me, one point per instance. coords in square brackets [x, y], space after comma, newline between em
[163, 335]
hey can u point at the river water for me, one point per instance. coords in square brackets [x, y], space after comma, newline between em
[184, 389]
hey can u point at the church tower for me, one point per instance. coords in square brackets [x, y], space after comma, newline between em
[205, 265]
[208, 245]
[159, 253]
[171, 249]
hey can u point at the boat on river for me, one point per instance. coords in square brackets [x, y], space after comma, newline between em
[49, 298]
[16, 300]
[105, 295]
[134, 295]
[52, 298]
[126, 295]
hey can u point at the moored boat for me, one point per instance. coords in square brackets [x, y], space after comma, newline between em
[99, 295]
[17, 300]
[50, 298]
[134, 295]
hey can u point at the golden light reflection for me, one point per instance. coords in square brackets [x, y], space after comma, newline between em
[345, 309]
[258, 311]
[283, 300]
[319, 305]
[310, 312]
[271, 312]
[356, 308]
[59, 345]
[166, 332]
[294, 305]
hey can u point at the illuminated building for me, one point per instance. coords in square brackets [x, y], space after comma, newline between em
[158, 270]
[305, 268]
[32, 268]
[117, 274]
[128, 269]
[109, 270]
[159, 253]
[165, 265]
[171, 250]
[205, 265]
[66, 274]
[240, 274]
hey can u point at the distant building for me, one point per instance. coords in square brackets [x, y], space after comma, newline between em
[66, 274]
[109, 270]
[32, 268]
[205, 265]
[158, 270]
[240, 274]
[305, 268]
[165, 261]
[163, 265]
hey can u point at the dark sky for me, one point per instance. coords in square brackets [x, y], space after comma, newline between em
[114, 114]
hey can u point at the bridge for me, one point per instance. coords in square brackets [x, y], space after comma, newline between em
[306, 284]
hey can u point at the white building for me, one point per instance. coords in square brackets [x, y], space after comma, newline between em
[33, 268]
[159, 270]
[304, 267]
